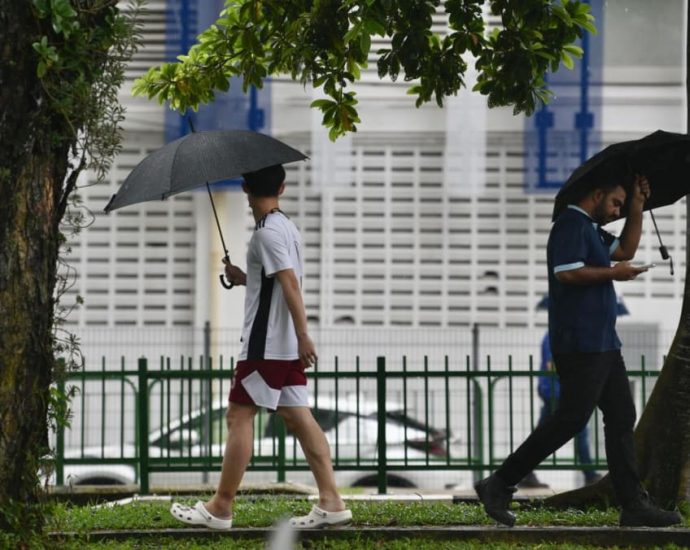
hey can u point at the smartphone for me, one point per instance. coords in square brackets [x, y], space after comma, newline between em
[644, 266]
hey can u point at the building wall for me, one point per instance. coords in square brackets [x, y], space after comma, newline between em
[389, 245]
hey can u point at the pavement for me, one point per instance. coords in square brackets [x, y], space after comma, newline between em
[597, 536]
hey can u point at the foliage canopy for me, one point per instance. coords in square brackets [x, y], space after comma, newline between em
[329, 42]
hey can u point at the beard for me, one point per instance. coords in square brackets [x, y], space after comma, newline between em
[599, 214]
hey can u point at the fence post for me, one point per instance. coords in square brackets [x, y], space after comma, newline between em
[280, 429]
[206, 399]
[143, 427]
[381, 419]
[60, 436]
[477, 407]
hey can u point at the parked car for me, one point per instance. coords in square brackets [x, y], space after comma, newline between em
[351, 429]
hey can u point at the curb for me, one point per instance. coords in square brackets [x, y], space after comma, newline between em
[600, 536]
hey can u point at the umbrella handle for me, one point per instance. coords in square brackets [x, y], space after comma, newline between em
[227, 285]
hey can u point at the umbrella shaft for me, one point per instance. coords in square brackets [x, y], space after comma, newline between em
[215, 215]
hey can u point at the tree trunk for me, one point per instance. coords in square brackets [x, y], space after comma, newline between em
[33, 166]
[662, 436]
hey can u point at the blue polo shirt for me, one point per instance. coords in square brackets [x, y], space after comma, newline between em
[582, 318]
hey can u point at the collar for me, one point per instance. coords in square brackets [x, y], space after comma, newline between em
[262, 221]
[578, 209]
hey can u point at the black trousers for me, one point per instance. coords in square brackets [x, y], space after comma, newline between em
[587, 380]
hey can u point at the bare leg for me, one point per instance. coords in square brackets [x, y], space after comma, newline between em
[300, 421]
[238, 452]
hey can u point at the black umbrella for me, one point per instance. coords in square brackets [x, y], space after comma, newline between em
[197, 159]
[663, 157]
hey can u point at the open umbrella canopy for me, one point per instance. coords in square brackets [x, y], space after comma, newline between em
[663, 157]
[200, 158]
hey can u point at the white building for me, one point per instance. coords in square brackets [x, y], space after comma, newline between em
[389, 244]
[406, 253]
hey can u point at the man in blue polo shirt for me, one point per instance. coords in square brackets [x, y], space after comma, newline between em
[586, 350]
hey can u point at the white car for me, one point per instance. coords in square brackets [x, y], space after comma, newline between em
[351, 429]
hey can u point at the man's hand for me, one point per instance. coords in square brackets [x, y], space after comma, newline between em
[234, 274]
[623, 271]
[306, 350]
[641, 190]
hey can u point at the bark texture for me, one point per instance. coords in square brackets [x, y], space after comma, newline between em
[32, 170]
[36, 138]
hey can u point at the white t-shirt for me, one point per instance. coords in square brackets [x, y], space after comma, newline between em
[268, 331]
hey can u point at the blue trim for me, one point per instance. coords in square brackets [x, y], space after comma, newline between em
[615, 244]
[568, 267]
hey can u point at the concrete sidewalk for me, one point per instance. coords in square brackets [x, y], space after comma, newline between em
[598, 536]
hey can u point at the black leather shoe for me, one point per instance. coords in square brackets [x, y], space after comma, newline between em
[643, 513]
[495, 495]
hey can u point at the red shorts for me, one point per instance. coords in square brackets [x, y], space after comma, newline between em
[270, 383]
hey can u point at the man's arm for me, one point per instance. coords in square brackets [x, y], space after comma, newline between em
[591, 275]
[632, 231]
[293, 297]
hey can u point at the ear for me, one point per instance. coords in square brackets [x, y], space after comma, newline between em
[597, 195]
[281, 189]
[245, 188]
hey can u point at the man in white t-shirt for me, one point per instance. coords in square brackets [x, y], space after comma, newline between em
[276, 348]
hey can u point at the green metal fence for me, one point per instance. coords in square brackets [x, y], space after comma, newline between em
[382, 420]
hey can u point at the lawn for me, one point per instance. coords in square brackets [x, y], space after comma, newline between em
[264, 512]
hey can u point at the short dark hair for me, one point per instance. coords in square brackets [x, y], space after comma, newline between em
[265, 182]
[611, 175]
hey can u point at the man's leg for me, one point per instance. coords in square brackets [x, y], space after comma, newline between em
[581, 385]
[301, 422]
[531, 481]
[238, 452]
[618, 410]
[582, 382]
[619, 420]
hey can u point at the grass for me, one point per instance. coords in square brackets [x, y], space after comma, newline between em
[265, 512]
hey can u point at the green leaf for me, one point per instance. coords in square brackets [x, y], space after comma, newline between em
[365, 44]
[573, 49]
[567, 61]
[372, 26]
[322, 104]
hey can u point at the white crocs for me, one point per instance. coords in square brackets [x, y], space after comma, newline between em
[199, 515]
[318, 518]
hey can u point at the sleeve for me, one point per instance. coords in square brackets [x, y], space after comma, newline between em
[611, 241]
[569, 247]
[273, 250]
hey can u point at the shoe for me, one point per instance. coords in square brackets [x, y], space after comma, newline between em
[495, 495]
[643, 513]
[592, 477]
[199, 515]
[318, 518]
[531, 481]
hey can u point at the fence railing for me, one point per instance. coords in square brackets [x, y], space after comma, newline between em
[382, 421]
